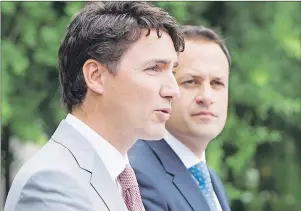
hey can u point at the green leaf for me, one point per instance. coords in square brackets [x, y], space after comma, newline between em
[9, 8]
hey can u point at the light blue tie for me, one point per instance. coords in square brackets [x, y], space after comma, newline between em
[201, 174]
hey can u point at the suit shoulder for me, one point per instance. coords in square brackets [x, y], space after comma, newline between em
[140, 145]
[47, 189]
[143, 158]
[140, 148]
[52, 158]
[56, 155]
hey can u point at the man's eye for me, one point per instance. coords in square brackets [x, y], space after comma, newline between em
[153, 68]
[189, 82]
[219, 83]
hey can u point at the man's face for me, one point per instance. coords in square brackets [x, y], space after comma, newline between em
[202, 75]
[139, 95]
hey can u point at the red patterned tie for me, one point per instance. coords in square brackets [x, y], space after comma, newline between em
[130, 190]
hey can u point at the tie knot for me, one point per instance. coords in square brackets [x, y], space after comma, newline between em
[127, 178]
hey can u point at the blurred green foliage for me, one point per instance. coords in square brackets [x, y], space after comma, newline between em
[258, 155]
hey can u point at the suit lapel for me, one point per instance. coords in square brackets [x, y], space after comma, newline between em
[219, 191]
[182, 179]
[106, 188]
[88, 160]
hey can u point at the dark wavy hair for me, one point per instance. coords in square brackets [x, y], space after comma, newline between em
[104, 31]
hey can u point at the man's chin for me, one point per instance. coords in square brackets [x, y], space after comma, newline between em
[155, 135]
[206, 134]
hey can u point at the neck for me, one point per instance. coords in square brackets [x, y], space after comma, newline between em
[195, 144]
[109, 130]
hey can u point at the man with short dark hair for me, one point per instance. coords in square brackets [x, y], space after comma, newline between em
[117, 85]
[172, 173]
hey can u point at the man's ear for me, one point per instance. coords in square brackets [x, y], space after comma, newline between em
[93, 73]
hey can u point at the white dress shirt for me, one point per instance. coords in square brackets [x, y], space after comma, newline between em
[113, 160]
[187, 157]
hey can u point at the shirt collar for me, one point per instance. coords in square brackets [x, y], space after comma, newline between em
[111, 157]
[184, 153]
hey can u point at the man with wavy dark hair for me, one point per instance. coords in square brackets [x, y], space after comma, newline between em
[116, 65]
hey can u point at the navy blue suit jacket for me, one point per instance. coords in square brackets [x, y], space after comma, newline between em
[165, 183]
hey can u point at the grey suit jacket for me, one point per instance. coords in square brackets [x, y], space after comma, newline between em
[165, 183]
[66, 174]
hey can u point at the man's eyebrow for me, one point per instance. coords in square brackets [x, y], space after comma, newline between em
[219, 78]
[192, 74]
[198, 75]
[161, 61]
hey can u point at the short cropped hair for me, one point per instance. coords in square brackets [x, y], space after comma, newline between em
[191, 32]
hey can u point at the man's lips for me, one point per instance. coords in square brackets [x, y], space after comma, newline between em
[204, 113]
[163, 114]
[165, 110]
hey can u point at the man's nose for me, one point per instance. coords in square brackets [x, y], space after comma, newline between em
[170, 89]
[205, 95]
